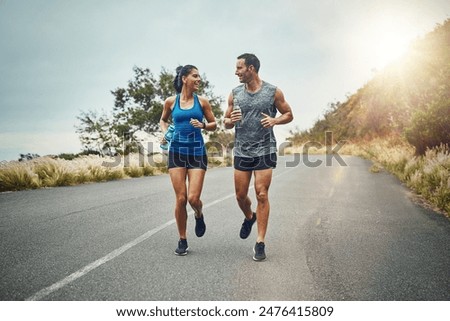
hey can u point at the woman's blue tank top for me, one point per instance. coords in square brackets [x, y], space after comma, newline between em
[187, 139]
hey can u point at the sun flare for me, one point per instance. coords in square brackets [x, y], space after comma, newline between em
[389, 39]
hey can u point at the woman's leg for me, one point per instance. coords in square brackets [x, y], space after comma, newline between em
[178, 177]
[196, 177]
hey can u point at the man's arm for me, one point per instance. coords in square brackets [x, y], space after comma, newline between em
[231, 116]
[283, 107]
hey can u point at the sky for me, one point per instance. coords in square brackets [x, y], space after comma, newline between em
[59, 58]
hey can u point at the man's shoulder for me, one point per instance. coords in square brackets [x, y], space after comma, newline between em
[238, 88]
[269, 85]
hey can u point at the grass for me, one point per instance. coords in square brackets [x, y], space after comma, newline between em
[49, 172]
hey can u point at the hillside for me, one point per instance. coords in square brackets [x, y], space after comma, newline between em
[409, 99]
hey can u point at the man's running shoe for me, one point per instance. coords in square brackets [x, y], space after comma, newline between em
[200, 226]
[247, 227]
[182, 248]
[260, 254]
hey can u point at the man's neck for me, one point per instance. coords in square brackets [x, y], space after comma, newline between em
[254, 85]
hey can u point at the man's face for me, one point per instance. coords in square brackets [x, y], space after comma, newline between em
[242, 71]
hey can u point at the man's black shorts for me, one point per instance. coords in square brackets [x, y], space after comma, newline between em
[255, 163]
[187, 161]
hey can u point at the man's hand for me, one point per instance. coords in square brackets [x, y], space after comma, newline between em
[236, 115]
[268, 121]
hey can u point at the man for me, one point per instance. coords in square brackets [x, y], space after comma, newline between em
[252, 109]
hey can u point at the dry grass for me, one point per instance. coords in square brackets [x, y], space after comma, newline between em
[49, 172]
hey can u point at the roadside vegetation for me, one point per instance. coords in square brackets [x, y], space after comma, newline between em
[51, 172]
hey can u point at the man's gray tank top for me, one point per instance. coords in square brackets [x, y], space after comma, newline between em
[251, 138]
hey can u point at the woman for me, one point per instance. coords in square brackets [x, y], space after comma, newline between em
[187, 152]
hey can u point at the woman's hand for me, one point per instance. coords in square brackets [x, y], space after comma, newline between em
[196, 123]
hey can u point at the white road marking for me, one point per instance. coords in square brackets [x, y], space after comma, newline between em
[83, 271]
[112, 255]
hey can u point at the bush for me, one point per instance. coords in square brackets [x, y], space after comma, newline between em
[430, 127]
[53, 173]
[48, 172]
[16, 176]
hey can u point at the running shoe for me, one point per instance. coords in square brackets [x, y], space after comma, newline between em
[259, 253]
[247, 227]
[200, 226]
[182, 248]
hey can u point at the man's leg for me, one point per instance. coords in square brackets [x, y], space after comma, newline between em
[241, 185]
[263, 178]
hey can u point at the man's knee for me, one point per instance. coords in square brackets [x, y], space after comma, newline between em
[181, 200]
[262, 196]
[194, 200]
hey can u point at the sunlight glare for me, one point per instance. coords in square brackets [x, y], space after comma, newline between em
[390, 38]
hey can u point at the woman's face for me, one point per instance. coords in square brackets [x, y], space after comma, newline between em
[192, 80]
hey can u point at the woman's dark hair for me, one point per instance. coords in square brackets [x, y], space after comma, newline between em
[181, 71]
[250, 60]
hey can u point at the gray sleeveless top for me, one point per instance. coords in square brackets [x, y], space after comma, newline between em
[251, 138]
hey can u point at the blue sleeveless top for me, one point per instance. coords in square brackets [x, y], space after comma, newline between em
[187, 139]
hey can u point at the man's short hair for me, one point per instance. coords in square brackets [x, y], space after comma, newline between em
[250, 60]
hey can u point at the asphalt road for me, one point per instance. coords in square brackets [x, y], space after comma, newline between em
[335, 233]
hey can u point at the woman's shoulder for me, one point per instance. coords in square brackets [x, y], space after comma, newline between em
[203, 100]
[170, 101]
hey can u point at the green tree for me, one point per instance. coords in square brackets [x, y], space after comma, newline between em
[96, 134]
[430, 127]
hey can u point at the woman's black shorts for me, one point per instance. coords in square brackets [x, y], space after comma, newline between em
[187, 161]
